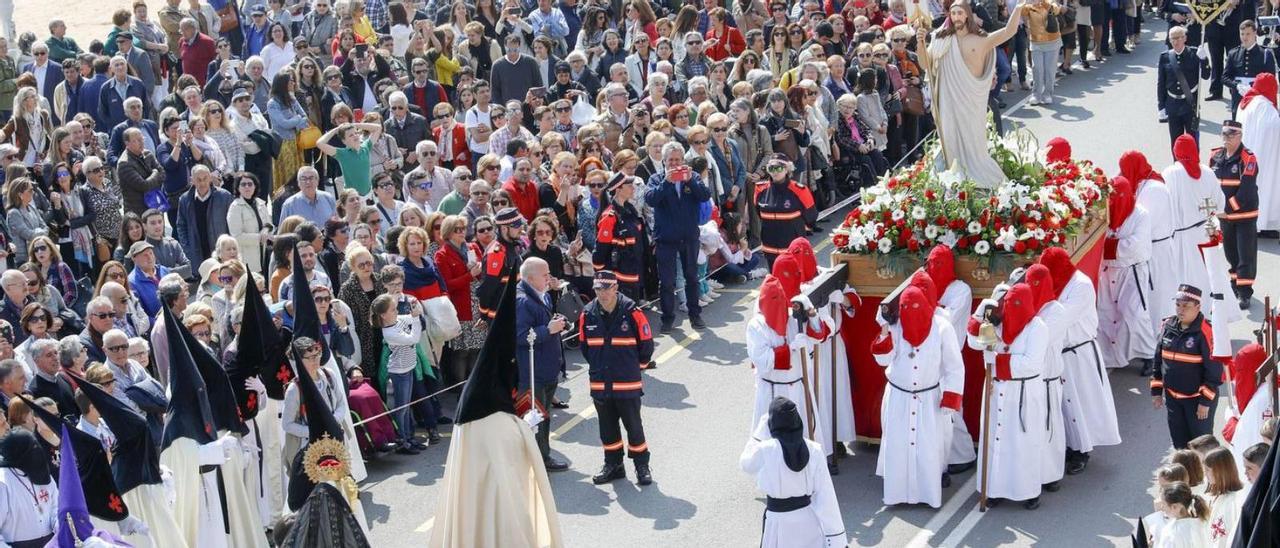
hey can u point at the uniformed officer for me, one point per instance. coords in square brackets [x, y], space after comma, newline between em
[621, 241]
[499, 258]
[1222, 35]
[617, 342]
[1247, 60]
[1180, 71]
[785, 208]
[1237, 171]
[1186, 376]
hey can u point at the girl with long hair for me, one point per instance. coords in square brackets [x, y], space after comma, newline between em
[287, 118]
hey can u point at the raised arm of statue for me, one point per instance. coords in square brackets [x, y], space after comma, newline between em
[1003, 35]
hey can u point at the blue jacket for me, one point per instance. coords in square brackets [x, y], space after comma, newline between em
[115, 148]
[722, 163]
[534, 314]
[111, 105]
[186, 231]
[177, 168]
[679, 212]
[89, 98]
[617, 346]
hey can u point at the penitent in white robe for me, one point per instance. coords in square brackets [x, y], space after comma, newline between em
[788, 383]
[1218, 301]
[1154, 197]
[154, 504]
[960, 109]
[1090, 409]
[274, 468]
[819, 525]
[1261, 135]
[1053, 458]
[1017, 415]
[1249, 427]
[831, 370]
[1189, 196]
[916, 428]
[242, 504]
[197, 506]
[27, 511]
[1125, 295]
[956, 304]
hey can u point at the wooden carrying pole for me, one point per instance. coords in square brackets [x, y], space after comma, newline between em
[986, 439]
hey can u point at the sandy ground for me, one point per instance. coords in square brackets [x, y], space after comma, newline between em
[86, 19]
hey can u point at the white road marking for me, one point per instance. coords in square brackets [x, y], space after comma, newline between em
[949, 510]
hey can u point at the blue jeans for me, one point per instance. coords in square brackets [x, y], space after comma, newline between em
[1003, 70]
[685, 255]
[730, 271]
[401, 395]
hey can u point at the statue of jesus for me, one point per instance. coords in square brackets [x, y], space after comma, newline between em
[961, 63]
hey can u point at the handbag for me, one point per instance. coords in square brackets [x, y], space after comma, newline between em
[157, 199]
[913, 101]
[570, 303]
[308, 137]
[102, 250]
[1051, 23]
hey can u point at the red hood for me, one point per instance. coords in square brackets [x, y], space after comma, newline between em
[1121, 201]
[1187, 153]
[803, 251]
[922, 281]
[1041, 282]
[1059, 150]
[774, 305]
[1264, 85]
[787, 269]
[915, 313]
[1244, 369]
[941, 266]
[1019, 310]
[1135, 167]
[1060, 268]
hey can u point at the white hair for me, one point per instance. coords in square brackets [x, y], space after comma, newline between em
[531, 266]
[672, 146]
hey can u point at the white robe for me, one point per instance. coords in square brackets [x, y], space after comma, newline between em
[916, 428]
[197, 507]
[1154, 197]
[1053, 459]
[1017, 415]
[1261, 135]
[274, 468]
[242, 504]
[788, 383]
[960, 107]
[1089, 407]
[1184, 533]
[831, 370]
[154, 505]
[1218, 298]
[1189, 196]
[1125, 295]
[1248, 428]
[819, 525]
[1224, 516]
[24, 516]
[957, 303]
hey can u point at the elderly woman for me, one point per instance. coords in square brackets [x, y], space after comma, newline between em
[421, 279]
[249, 222]
[25, 221]
[72, 355]
[37, 322]
[461, 265]
[30, 127]
[358, 291]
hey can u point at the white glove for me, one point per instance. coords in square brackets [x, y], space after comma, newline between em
[212, 454]
[230, 444]
[133, 526]
[533, 417]
[803, 301]
[1202, 53]
[170, 490]
[1243, 88]
[254, 383]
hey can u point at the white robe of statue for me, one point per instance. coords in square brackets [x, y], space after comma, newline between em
[960, 110]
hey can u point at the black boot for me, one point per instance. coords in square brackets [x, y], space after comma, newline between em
[1148, 367]
[1052, 486]
[1076, 462]
[643, 475]
[609, 472]
[1032, 504]
[832, 467]
[946, 480]
[961, 467]
[841, 450]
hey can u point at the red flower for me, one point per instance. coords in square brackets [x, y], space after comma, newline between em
[892, 183]
[1020, 247]
[840, 240]
[962, 195]
[940, 220]
[1033, 243]
[962, 243]
[913, 245]
[900, 223]
[957, 224]
[929, 195]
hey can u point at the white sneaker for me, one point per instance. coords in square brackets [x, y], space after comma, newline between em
[1034, 101]
[713, 294]
[704, 301]
[715, 284]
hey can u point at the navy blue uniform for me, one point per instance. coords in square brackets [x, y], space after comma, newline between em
[1245, 63]
[1181, 106]
[785, 209]
[1237, 174]
[1187, 376]
[617, 345]
[500, 259]
[621, 246]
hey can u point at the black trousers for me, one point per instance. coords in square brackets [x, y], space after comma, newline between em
[1183, 123]
[684, 253]
[1183, 424]
[543, 393]
[1240, 241]
[1217, 50]
[614, 415]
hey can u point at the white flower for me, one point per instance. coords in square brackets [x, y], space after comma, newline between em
[1038, 234]
[1007, 238]
[918, 212]
[931, 232]
[975, 227]
[1035, 214]
[884, 245]
[949, 239]
[950, 178]
[857, 240]
[982, 247]
[898, 215]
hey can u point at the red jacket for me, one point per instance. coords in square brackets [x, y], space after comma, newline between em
[197, 55]
[523, 197]
[453, 268]
[730, 45]
[461, 153]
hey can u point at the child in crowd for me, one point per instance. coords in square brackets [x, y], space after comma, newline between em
[1226, 494]
[1195, 469]
[733, 261]
[1156, 521]
[426, 413]
[1187, 514]
[400, 335]
[1254, 456]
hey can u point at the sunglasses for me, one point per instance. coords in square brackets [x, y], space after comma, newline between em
[399, 108]
[900, 40]
[103, 315]
[364, 264]
[484, 230]
[117, 348]
[720, 130]
[698, 142]
[246, 183]
[43, 248]
[563, 109]
[596, 185]
[320, 299]
[64, 174]
[225, 279]
[777, 168]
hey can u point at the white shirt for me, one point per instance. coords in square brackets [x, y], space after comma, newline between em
[27, 511]
[40, 71]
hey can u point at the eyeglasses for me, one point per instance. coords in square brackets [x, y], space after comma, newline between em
[64, 174]
[501, 203]
[797, 33]
[40, 53]
[900, 40]
[364, 264]
[443, 116]
[491, 167]
[881, 55]
[396, 107]
[322, 299]
[698, 141]
[246, 183]
[117, 348]
[484, 230]
[103, 315]
[34, 283]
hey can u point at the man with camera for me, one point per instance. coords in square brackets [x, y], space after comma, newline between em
[538, 332]
[677, 197]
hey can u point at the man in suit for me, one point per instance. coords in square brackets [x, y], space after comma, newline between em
[534, 314]
[359, 75]
[406, 127]
[1246, 61]
[140, 62]
[48, 74]
[133, 108]
[1222, 35]
[1180, 107]
[676, 197]
[202, 214]
[114, 92]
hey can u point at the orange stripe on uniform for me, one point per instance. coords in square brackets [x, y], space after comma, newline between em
[638, 448]
[1208, 392]
[1180, 357]
[618, 386]
[1180, 396]
[613, 446]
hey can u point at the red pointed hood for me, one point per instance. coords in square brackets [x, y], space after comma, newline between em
[787, 269]
[915, 313]
[941, 267]
[1121, 201]
[803, 252]
[1019, 310]
[1135, 167]
[1187, 153]
[922, 281]
[1060, 268]
[774, 304]
[1041, 282]
[1244, 369]
[1059, 150]
[1264, 85]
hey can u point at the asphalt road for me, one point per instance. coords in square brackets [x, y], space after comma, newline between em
[698, 405]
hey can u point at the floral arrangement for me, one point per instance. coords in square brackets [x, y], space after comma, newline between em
[1039, 206]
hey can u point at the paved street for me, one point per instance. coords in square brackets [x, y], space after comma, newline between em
[698, 403]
